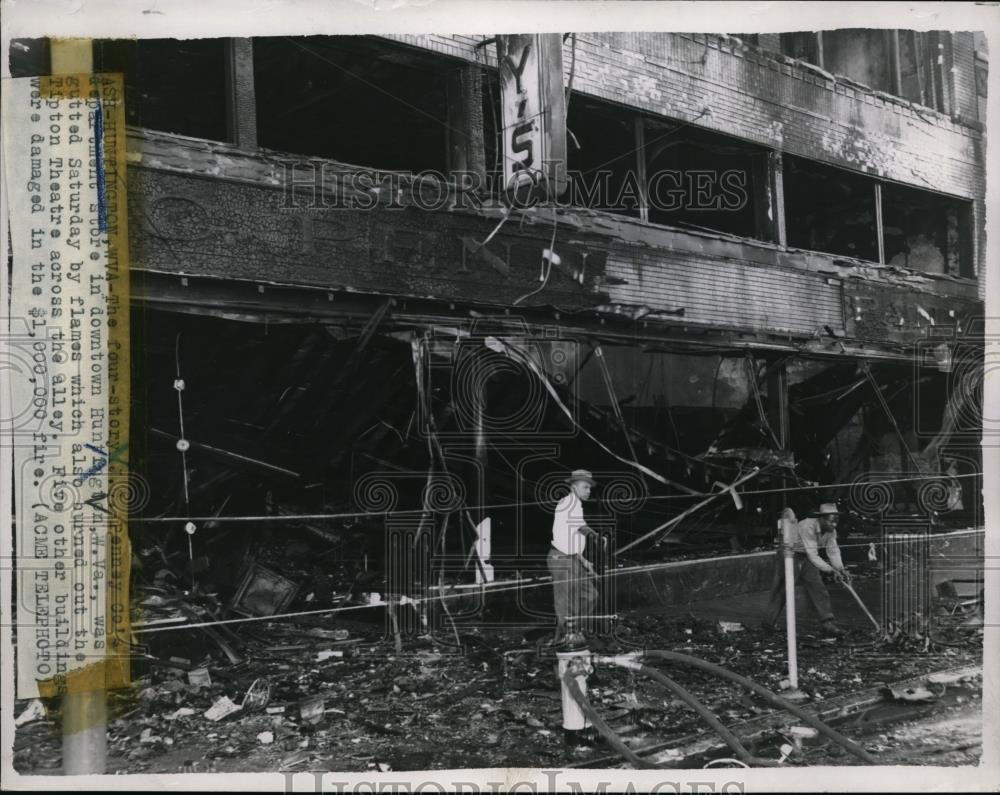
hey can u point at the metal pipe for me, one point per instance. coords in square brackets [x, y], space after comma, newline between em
[787, 541]
[793, 658]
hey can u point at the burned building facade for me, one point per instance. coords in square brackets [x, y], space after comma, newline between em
[762, 262]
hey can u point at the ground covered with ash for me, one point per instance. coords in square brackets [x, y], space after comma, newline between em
[326, 695]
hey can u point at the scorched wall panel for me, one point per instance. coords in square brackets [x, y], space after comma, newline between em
[728, 293]
[788, 106]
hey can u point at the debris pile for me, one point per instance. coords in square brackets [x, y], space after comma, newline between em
[305, 697]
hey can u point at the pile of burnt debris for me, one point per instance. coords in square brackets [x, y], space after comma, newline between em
[325, 692]
[294, 468]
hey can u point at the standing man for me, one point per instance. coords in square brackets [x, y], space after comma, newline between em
[808, 537]
[572, 574]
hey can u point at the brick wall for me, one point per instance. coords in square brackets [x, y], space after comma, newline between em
[784, 105]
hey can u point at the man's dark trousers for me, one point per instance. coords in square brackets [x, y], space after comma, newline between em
[805, 574]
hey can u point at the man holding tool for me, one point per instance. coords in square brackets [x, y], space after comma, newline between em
[573, 575]
[808, 537]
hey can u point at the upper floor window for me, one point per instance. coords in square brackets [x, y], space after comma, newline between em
[174, 85]
[841, 212]
[925, 231]
[981, 63]
[862, 54]
[654, 169]
[803, 46]
[910, 64]
[355, 99]
[829, 209]
[705, 180]
[601, 157]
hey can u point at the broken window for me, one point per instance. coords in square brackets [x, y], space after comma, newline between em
[602, 157]
[926, 231]
[862, 54]
[802, 45]
[173, 85]
[920, 74]
[354, 99]
[912, 74]
[982, 66]
[906, 63]
[704, 180]
[829, 209]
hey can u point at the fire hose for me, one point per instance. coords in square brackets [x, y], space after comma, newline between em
[706, 714]
[771, 697]
[616, 742]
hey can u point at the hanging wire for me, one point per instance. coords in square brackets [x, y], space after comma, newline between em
[182, 448]
[888, 413]
[755, 389]
[511, 505]
[546, 261]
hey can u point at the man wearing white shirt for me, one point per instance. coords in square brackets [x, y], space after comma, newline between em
[572, 575]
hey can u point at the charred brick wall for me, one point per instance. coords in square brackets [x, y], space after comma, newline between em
[718, 83]
[786, 105]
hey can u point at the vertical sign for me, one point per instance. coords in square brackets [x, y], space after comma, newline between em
[67, 404]
[534, 114]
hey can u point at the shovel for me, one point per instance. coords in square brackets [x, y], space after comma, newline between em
[861, 604]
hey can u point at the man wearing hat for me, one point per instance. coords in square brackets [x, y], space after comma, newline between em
[808, 537]
[572, 575]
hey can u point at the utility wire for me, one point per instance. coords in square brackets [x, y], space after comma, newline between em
[511, 505]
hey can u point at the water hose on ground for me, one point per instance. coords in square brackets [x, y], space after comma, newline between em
[707, 715]
[605, 731]
[771, 697]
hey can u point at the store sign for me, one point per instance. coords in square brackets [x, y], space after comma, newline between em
[534, 115]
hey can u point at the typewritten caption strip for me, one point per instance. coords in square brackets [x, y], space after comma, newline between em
[64, 141]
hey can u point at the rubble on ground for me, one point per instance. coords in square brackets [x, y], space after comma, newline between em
[286, 705]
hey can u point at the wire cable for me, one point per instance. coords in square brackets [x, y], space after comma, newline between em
[546, 262]
[508, 505]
